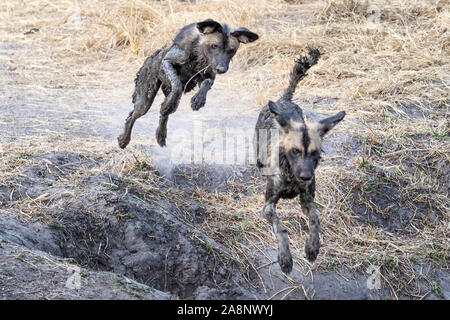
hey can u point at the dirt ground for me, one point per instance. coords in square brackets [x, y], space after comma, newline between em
[148, 223]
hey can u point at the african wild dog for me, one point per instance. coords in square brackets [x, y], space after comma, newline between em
[299, 147]
[198, 52]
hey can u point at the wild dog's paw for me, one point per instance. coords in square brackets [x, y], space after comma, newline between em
[123, 140]
[198, 101]
[161, 135]
[312, 248]
[285, 261]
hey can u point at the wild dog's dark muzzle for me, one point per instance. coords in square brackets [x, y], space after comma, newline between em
[221, 69]
[305, 171]
[305, 176]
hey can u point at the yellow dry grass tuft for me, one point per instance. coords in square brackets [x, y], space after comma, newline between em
[385, 50]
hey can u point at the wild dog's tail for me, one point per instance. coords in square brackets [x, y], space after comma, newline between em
[302, 65]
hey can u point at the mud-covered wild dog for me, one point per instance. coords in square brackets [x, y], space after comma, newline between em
[299, 147]
[198, 52]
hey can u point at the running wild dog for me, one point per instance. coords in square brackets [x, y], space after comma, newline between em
[198, 52]
[299, 147]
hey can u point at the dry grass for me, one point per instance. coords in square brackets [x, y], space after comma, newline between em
[383, 73]
[390, 60]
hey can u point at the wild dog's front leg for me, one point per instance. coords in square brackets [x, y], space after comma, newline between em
[307, 202]
[199, 99]
[172, 100]
[284, 254]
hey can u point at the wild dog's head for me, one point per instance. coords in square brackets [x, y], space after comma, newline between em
[219, 43]
[300, 142]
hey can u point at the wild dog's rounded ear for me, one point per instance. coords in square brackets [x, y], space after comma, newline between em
[278, 114]
[244, 35]
[325, 125]
[209, 26]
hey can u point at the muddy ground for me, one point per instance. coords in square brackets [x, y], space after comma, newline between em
[131, 244]
[61, 209]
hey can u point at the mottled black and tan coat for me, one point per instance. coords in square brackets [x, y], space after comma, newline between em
[198, 52]
[290, 162]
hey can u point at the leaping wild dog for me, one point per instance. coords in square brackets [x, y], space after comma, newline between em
[299, 147]
[198, 52]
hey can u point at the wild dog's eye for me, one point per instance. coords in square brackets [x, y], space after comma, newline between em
[296, 151]
[214, 46]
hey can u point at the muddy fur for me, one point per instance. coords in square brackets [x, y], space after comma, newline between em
[291, 169]
[198, 52]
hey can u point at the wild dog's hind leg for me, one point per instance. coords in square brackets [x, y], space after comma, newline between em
[172, 100]
[143, 100]
[168, 107]
[284, 254]
[309, 208]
